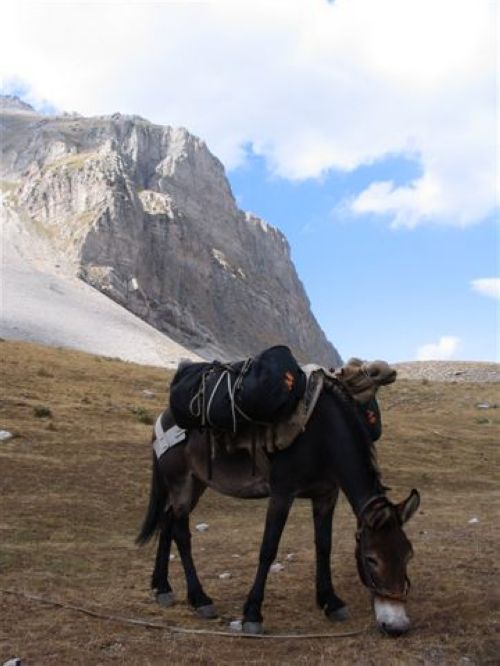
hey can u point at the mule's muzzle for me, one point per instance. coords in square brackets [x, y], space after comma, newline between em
[391, 616]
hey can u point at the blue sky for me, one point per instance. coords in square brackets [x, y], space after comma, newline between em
[364, 131]
[379, 292]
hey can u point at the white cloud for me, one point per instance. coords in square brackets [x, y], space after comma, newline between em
[443, 350]
[310, 85]
[487, 287]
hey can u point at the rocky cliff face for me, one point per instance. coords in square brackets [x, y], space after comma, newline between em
[145, 214]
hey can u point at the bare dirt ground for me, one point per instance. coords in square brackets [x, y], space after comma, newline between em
[74, 485]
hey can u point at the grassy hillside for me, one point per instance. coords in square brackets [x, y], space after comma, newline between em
[74, 484]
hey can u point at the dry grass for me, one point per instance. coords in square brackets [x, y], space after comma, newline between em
[74, 487]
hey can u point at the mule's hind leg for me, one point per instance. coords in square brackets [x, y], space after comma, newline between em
[159, 579]
[200, 601]
[334, 607]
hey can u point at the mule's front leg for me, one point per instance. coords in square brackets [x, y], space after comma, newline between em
[277, 514]
[326, 598]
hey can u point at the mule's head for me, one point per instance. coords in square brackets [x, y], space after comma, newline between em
[382, 554]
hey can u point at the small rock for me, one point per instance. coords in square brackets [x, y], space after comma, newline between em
[148, 394]
[235, 625]
[483, 405]
[202, 527]
[5, 435]
[235, 555]
[15, 661]
[276, 567]
[172, 557]
[290, 557]
[225, 576]
[473, 521]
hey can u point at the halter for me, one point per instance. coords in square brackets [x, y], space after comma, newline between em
[369, 582]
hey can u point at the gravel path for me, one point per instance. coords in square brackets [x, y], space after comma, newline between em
[449, 371]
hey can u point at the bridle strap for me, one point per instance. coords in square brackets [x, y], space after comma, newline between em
[390, 595]
[370, 583]
[367, 574]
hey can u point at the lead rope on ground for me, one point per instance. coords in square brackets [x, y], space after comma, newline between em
[172, 628]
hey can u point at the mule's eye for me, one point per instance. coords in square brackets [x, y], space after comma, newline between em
[372, 561]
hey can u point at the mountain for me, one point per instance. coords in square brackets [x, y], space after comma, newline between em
[145, 214]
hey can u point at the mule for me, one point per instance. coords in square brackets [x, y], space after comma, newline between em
[334, 452]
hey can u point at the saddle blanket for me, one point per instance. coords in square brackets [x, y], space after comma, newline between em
[166, 439]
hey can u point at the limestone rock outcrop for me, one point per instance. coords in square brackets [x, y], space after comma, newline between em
[145, 214]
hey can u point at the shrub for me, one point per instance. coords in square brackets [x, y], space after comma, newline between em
[144, 416]
[42, 412]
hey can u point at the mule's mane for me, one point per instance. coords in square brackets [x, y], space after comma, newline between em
[350, 408]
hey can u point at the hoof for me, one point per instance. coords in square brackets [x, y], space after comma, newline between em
[166, 599]
[338, 615]
[252, 628]
[207, 612]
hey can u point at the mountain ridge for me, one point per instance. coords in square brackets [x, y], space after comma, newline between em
[145, 214]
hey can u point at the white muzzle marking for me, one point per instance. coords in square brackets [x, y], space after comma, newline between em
[391, 616]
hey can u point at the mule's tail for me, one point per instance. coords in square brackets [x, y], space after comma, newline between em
[158, 496]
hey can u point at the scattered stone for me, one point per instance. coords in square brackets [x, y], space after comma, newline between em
[235, 625]
[15, 661]
[148, 394]
[434, 654]
[290, 557]
[5, 435]
[172, 557]
[276, 567]
[473, 521]
[483, 405]
[202, 527]
[113, 648]
[225, 576]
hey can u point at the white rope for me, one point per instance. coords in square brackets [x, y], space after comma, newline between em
[173, 629]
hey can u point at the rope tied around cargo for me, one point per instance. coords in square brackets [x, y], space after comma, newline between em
[201, 404]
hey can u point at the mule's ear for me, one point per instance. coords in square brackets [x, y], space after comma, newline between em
[378, 517]
[407, 507]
